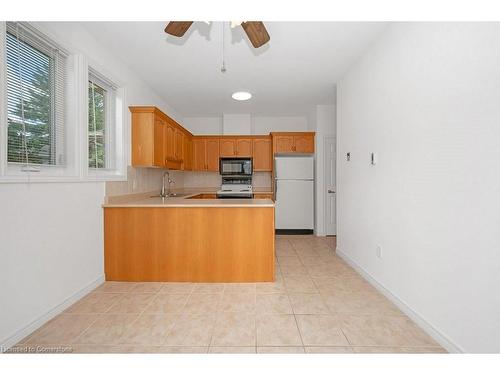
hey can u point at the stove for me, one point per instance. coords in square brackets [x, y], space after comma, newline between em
[235, 187]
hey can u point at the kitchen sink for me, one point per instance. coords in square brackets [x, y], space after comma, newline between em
[173, 195]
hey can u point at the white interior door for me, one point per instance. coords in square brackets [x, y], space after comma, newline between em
[330, 194]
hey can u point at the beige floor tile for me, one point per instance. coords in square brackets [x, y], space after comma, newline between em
[289, 261]
[137, 349]
[308, 303]
[63, 329]
[107, 329]
[115, 287]
[311, 260]
[299, 284]
[273, 303]
[147, 287]
[167, 304]
[329, 349]
[149, 329]
[240, 288]
[94, 303]
[321, 330]
[208, 288]
[398, 350]
[271, 287]
[191, 330]
[234, 329]
[322, 270]
[359, 302]
[380, 330]
[306, 252]
[280, 349]
[202, 304]
[131, 303]
[342, 284]
[297, 270]
[242, 302]
[277, 330]
[177, 288]
[232, 349]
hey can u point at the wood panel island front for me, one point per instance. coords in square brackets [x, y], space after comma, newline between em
[189, 240]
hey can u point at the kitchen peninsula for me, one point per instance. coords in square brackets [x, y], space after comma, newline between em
[186, 239]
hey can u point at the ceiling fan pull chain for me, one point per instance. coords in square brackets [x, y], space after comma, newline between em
[223, 67]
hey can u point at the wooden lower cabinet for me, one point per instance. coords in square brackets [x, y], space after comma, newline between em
[189, 244]
[263, 196]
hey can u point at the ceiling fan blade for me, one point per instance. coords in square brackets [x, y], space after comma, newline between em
[256, 32]
[178, 28]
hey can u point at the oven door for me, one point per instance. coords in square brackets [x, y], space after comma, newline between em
[235, 167]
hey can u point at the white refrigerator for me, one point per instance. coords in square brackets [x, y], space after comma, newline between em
[294, 193]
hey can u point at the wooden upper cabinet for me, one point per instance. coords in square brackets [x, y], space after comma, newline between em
[158, 158]
[227, 147]
[244, 147]
[179, 145]
[283, 143]
[293, 142]
[212, 154]
[303, 143]
[199, 151]
[262, 154]
[157, 140]
[188, 153]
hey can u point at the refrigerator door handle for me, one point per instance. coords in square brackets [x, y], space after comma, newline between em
[275, 190]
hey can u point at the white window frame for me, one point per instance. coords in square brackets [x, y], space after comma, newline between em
[76, 168]
[116, 163]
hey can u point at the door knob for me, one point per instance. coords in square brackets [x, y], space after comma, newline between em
[331, 191]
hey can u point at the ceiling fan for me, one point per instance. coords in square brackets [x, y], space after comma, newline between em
[255, 30]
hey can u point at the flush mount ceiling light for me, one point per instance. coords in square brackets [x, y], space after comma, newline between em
[241, 95]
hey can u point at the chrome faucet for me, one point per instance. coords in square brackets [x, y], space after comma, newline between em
[164, 193]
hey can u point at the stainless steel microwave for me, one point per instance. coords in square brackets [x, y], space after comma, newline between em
[235, 166]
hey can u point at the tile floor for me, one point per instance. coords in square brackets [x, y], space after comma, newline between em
[318, 304]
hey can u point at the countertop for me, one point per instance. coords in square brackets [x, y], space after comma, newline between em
[146, 200]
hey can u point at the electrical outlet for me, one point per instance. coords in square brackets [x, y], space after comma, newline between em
[378, 251]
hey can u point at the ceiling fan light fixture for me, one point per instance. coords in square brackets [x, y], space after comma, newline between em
[241, 95]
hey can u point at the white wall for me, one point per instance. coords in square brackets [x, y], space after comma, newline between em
[259, 124]
[203, 125]
[236, 123]
[267, 124]
[426, 98]
[51, 234]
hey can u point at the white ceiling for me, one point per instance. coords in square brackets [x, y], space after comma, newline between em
[297, 69]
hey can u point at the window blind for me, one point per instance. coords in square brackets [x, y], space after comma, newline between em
[35, 98]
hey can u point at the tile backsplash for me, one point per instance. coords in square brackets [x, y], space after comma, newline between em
[143, 180]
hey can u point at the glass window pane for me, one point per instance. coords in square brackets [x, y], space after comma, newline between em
[97, 126]
[30, 82]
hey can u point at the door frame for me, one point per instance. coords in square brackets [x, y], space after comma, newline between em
[326, 138]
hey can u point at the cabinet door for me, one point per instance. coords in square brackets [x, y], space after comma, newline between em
[158, 153]
[188, 153]
[244, 147]
[169, 142]
[212, 154]
[227, 147]
[284, 143]
[179, 145]
[303, 143]
[199, 154]
[262, 158]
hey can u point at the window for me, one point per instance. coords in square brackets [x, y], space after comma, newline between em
[61, 117]
[35, 81]
[101, 97]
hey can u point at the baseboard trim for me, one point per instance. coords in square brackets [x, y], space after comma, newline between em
[44, 318]
[432, 331]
